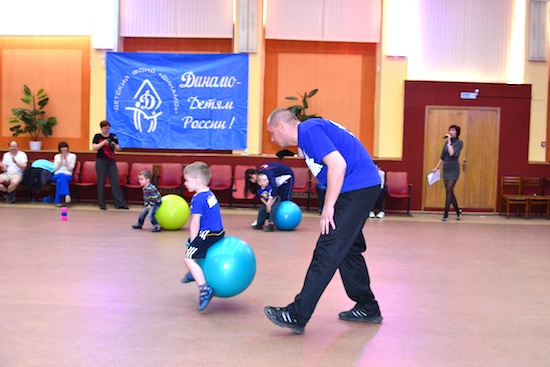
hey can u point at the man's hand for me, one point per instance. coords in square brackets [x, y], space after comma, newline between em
[327, 219]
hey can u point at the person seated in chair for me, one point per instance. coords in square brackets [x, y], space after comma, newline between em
[13, 164]
[63, 165]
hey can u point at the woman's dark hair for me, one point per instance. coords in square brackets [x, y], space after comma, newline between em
[104, 123]
[251, 187]
[457, 128]
[62, 144]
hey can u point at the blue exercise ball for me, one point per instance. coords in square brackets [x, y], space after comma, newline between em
[288, 216]
[229, 266]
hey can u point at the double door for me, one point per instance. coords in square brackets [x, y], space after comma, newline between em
[476, 187]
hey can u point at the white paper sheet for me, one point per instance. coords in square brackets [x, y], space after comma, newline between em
[433, 177]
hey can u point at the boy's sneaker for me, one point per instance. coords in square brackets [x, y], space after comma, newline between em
[207, 293]
[380, 215]
[67, 199]
[136, 226]
[459, 214]
[371, 214]
[156, 229]
[257, 226]
[269, 228]
[361, 315]
[254, 224]
[188, 278]
[444, 219]
[281, 317]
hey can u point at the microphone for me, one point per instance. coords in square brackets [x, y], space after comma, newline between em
[446, 136]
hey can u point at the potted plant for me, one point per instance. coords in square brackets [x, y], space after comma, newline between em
[300, 110]
[32, 120]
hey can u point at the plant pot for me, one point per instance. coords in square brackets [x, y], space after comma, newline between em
[35, 145]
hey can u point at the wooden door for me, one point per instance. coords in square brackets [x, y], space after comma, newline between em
[476, 187]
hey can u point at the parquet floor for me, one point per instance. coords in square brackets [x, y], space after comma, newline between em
[94, 292]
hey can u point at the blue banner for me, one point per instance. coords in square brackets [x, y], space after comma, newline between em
[170, 101]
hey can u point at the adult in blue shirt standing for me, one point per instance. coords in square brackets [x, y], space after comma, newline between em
[338, 160]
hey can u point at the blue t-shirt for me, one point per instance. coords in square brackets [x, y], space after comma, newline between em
[319, 137]
[206, 204]
[264, 193]
[277, 174]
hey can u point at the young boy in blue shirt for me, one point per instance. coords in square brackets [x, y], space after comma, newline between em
[151, 201]
[205, 229]
[270, 204]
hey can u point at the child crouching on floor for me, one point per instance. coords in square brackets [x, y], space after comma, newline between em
[151, 201]
[270, 204]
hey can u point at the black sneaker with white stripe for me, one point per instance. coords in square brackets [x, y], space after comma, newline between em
[281, 317]
[360, 314]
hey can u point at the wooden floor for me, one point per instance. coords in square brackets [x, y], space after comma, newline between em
[94, 292]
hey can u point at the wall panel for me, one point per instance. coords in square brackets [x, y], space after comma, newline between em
[344, 73]
[61, 66]
[326, 20]
[176, 18]
[179, 45]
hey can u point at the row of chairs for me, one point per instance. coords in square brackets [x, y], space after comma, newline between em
[305, 185]
[525, 192]
[168, 178]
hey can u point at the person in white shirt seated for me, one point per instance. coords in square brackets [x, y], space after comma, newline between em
[13, 164]
[63, 165]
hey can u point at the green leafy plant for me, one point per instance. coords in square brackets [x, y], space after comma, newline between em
[301, 110]
[32, 120]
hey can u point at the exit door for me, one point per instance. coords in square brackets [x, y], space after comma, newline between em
[476, 187]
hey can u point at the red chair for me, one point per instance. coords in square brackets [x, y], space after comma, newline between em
[170, 178]
[302, 183]
[135, 170]
[239, 183]
[76, 171]
[222, 179]
[399, 187]
[122, 168]
[87, 177]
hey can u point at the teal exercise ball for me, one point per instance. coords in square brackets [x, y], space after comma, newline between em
[288, 216]
[229, 266]
[173, 212]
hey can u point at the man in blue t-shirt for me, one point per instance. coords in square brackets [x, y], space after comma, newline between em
[338, 160]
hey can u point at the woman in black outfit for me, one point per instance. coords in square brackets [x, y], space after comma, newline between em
[105, 143]
[451, 169]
